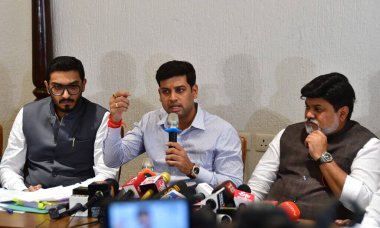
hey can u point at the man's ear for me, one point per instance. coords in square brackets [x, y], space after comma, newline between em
[47, 87]
[194, 90]
[84, 84]
[343, 113]
[159, 94]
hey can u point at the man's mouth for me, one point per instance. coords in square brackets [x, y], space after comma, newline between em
[311, 125]
[175, 108]
[66, 101]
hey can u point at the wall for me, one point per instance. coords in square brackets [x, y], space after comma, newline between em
[15, 60]
[251, 57]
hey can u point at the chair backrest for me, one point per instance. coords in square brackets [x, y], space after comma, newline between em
[1, 141]
[243, 141]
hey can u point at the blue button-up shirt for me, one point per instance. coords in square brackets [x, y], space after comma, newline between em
[210, 142]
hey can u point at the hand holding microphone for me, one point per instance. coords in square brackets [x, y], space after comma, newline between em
[175, 154]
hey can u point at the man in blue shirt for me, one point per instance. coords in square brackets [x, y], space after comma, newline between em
[207, 150]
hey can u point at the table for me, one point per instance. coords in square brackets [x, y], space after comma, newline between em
[43, 221]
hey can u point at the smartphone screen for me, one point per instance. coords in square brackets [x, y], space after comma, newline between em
[149, 214]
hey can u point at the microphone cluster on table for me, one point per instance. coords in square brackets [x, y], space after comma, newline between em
[210, 207]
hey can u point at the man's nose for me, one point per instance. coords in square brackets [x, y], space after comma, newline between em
[173, 96]
[309, 114]
[65, 93]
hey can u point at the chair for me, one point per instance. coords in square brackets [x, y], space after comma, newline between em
[1, 141]
[243, 141]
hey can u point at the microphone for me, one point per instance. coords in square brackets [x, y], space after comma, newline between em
[173, 130]
[202, 191]
[204, 188]
[79, 207]
[242, 198]
[228, 193]
[214, 202]
[290, 209]
[131, 188]
[173, 194]
[59, 211]
[109, 188]
[223, 219]
[244, 188]
[147, 163]
[180, 187]
[147, 172]
[98, 195]
[152, 185]
[113, 188]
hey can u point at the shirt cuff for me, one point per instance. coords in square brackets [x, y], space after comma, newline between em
[350, 192]
[19, 186]
[204, 175]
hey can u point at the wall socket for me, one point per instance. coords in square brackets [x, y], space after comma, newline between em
[261, 141]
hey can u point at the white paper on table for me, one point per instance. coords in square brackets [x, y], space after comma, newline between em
[48, 194]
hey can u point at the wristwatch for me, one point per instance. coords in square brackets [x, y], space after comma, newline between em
[325, 158]
[194, 172]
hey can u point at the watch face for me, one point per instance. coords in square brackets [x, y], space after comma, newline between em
[326, 157]
[196, 170]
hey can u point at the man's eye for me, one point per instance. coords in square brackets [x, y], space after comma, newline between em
[180, 90]
[58, 87]
[165, 91]
[72, 86]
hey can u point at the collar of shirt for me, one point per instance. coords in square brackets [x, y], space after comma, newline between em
[198, 122]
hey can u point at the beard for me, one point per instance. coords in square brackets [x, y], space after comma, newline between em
[313, 125]
[65, 107]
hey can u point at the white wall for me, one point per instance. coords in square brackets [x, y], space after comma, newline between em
[15, 60]
[252, 57]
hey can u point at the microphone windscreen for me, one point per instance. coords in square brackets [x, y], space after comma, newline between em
[165, 176]
[244, 188]
[147, 172]
[204, 188]
[291, 210]
[114, 186]
[173, 120]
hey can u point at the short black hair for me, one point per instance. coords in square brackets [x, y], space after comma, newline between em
[176, 68]
[65, 63]
[334, 88]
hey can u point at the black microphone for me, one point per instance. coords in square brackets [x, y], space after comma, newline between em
[59, 211]
[79, 207]
[228, 192]
[214, 202]
[244, 188]
[173, 130]
[98, 195]
[202, 191]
